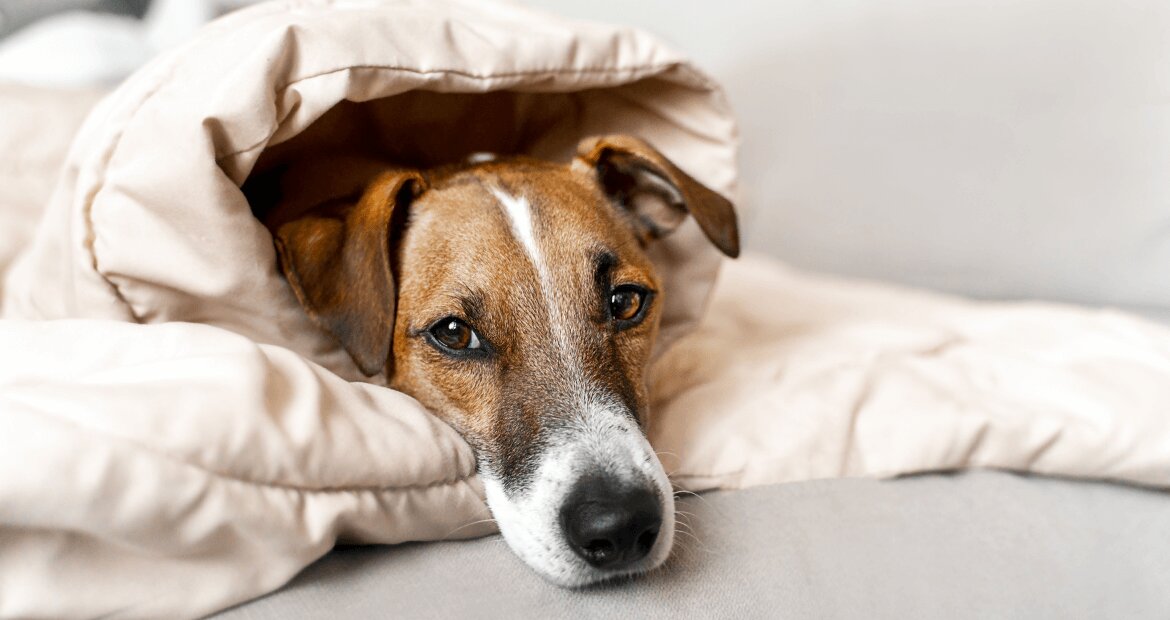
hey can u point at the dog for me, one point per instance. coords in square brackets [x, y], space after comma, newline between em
[513, 297]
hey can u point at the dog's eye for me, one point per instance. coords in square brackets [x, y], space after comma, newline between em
[455, 335]
[626, 303]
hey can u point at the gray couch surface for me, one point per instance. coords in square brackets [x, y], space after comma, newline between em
[970, 545]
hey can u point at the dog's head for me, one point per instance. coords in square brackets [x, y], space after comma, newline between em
[514, 298]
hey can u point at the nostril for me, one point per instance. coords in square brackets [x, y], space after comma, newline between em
[646, 541]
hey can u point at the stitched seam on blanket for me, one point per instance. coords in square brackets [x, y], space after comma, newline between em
[141, 448]
[648, 69]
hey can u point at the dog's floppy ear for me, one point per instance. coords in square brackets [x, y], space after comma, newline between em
[338, 263]
[656, 193]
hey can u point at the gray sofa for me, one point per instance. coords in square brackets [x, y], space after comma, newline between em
[970, 545]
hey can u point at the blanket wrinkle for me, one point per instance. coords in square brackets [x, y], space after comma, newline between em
[102, 163]
[533, 73]
[12, 397]
[853, 410]
[1004, 380]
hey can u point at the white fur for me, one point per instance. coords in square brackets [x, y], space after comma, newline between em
[519, 214]
[480, 157]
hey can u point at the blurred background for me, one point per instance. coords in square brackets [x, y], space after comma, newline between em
[1003, 149]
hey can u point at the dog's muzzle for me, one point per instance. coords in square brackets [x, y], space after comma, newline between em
[598, 505]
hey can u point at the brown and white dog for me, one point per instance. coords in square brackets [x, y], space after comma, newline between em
[514, 298]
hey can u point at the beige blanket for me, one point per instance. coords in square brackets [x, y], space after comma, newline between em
[795, 376]
[176, 437]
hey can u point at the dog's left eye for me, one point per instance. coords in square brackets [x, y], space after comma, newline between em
[454, 334]
[626, 303]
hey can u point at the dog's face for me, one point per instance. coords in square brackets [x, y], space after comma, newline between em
[514, 298]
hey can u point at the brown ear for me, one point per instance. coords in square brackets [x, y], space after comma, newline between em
[659, 195]
[337, 260]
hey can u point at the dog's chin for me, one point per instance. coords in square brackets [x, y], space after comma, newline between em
[532, 530]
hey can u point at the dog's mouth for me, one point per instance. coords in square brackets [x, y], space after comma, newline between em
[598, 506]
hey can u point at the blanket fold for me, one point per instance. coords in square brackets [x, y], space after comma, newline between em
[179, 468]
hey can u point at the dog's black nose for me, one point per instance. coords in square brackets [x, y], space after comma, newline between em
[611, 525]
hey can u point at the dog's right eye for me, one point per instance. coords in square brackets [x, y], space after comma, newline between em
[455, 335]
[627, 304]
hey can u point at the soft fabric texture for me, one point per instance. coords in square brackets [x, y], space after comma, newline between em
[170, 470]
[793, 376]
[187, 439]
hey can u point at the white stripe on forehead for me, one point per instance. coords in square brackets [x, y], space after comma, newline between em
[519, 214]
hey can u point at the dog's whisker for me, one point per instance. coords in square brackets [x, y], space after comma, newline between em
[707, 504]
[467, 525]
[693, 543]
